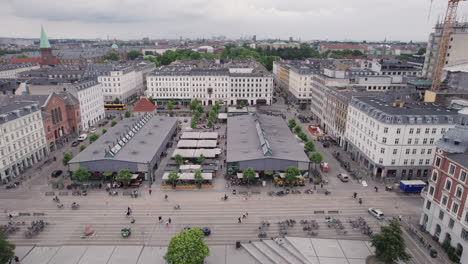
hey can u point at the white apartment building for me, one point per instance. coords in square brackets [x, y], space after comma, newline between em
[457, 51]
[22, 138]
[393, 139]
[90, 96]
[125, 82]
[228, 83]
[12, 70]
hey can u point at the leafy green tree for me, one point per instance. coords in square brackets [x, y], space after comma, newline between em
[113, 56]
[198, 177]
[200, 108]
[193, 123]
[316, 158]
[170, 105]
[113, 123]
[209, 124]
[82, 147]
[216, 107]
[389, 244]
[291, 173]
[309, 146]
[249, 175]
[93, 137]
[187, 247]
[302, 136]
[242, 104]
[212, 115]
[66, 158]
[128, 114]
[173, 177]
[297, 129]
[422, 51]
[292, 123]
[179, 159]
[81, 175]
[104, 131]
[124, 176]
[116, 101]
[7, 250]
[22, 56]
[201, 159]
[133, 54]
[193, 105]
[152, 100]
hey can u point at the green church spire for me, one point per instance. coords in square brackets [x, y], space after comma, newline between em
[44, 44]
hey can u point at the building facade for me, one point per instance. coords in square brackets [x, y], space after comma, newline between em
[395, 140]
[13, 70]
[209, 82]
[22, 138]
[457, 51]
[445, 211]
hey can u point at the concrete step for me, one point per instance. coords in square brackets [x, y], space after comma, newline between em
[256, 254]
[285, 254]
[289, 247]
[269, 253]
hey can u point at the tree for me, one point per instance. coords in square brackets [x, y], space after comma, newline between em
[113, 123]
[113, 56]
[198, 177]
[116, 101]
[297, 129]
[216, 107]
[212, 115]
[193, 105]
[93, 137]
[242, 104]
[128, 114]
[422, 51]
[173, 177]
[193, 123]
[302, 136]
[170, 105]
[133, 54]
[152, 100]
[187, 247]
[316, 158]
[82, 147]
[179, 159]
[209, 124]
[81, 174]
[389, 244]
[200, 108]
[201, 159]
[292, 173]
[7, 250]
[124, 176]
[309, 146]
[292, 123]
[248, 175]
[66, 158]
[104, 131]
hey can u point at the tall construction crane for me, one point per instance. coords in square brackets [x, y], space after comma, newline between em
[449, 23]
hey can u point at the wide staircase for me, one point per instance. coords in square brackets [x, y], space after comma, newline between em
[278, 251]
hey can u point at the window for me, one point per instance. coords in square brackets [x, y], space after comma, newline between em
[411, 130]
[459, 192]
[431, 190]
[434, 130]
[451, 223]
[405, 162]
[395, 151]
[423, 151]
[393, 162]
[429, 151]
[418, 131]
[463, 176]
[451, 169]
[464, 234]
[442, 131]
[427, 131]
[410, 140]
[431, 141]
[414, 151]
[455, 207]
[448, 184]
[437, 162]
[421, 161]
[416, 141]
[397, 141]
[434, 176]
[444, 200]
[407, 151]
[384, 140]
[412, 162]
[398, 131]
[382, 150]
[425, 141]
[385, 130]
[428, 205]
[441, 215]
[428, 161]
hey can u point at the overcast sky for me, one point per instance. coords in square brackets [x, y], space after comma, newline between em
[306, 19]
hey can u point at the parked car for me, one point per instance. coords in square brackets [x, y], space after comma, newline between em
[177, 107]
[82, 137]
[92, 130]
[376, 213]
[343, 177]
[75, 144]
[56, 173]
[160, 107]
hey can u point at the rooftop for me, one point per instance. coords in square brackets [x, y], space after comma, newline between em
[11, 110]
[12, 66]
[261, 136]
[131, 140]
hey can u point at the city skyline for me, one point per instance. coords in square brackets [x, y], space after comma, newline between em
[311, 20]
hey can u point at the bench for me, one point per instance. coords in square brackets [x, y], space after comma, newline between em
[63, 193]
[333, 212]
[50, 193]
[319, 212]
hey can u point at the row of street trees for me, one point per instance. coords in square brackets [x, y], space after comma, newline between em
[82, 175]
[173, 177]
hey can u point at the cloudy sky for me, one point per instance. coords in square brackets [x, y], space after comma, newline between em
[306, 19]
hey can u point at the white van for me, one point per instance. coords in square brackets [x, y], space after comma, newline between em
[82, 137]
[343, 177]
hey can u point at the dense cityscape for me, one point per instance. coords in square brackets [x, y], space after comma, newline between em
[222, 150]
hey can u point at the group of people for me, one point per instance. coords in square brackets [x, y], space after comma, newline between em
[168, 221]
[355, 196]
[244, 215]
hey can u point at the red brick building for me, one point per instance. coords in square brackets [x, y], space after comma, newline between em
[445, 211]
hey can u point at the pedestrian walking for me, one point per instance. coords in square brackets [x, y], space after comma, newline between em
[243, 215]
[239, 220]
[129, 211]
[17, 261]
[169, 220]
[321, 185]
[246, 214]
[165, 197]
[160, 219]
[150, 191]
[167, 223]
